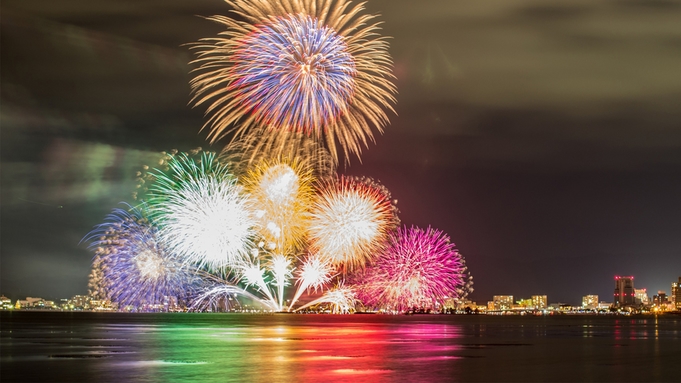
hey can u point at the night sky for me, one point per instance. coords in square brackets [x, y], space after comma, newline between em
[543, 137]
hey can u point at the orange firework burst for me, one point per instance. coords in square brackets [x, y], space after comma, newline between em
[351, 220]
[315, 67]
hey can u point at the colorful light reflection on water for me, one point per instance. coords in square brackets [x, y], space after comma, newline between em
[325, 348]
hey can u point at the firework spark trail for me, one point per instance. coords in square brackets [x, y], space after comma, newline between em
[313, 274]
[351, 221]
[341, 298]
[417, 268]
[133, 266]
[253, 274]
[211, 298]
[203, 214]
[318, 68]
[280, 266]
[243, 155]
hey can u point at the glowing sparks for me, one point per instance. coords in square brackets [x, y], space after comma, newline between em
[313, 274]
[281, 193]
[294, 66]
[340, 299]
[245, 154]
[281, 269]
[299, 84]
[205, 216]
[150, 264]
[132, 266]
[280, 184]
[351, 220]
[293, 73]
[223, 296]
[417, 269]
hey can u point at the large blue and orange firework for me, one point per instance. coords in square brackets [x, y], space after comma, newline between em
[133, 267]
[418, 268]
[294, 73]
[291, 66]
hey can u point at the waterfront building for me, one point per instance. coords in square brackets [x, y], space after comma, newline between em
[33, 301]
[560, 306]
[466, 304]
[525, 304]
[502, 302]
[624, 291]
[540, 302]
[5, 303]
[641, 296]
[78, 302]
[478, 308]
[676, 294]
[660, 299]
[590, 302]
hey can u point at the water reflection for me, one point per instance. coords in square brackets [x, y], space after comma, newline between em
[314, 348]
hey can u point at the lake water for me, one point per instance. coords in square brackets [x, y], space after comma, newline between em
[116, 347]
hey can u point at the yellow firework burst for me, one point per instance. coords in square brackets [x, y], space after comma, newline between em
[282, 194]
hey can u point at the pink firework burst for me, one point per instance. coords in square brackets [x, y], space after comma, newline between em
[416, 269]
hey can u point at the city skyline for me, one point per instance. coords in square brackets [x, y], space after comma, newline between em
[547, 173]
[583, 299]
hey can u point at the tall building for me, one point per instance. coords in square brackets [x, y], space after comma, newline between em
[624, 291]
[590, 302]
[660, 299]
[503, 302]
[641, 296]
[676, 293]
[540, 302]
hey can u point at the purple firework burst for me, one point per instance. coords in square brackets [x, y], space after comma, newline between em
[417, 269]
[133, 267]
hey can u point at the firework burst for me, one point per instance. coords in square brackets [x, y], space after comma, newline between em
[203, 214]
[282, 193]
[314, 273]
[351, 220]
[132, 266]
[312, 67]
[417, 268]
